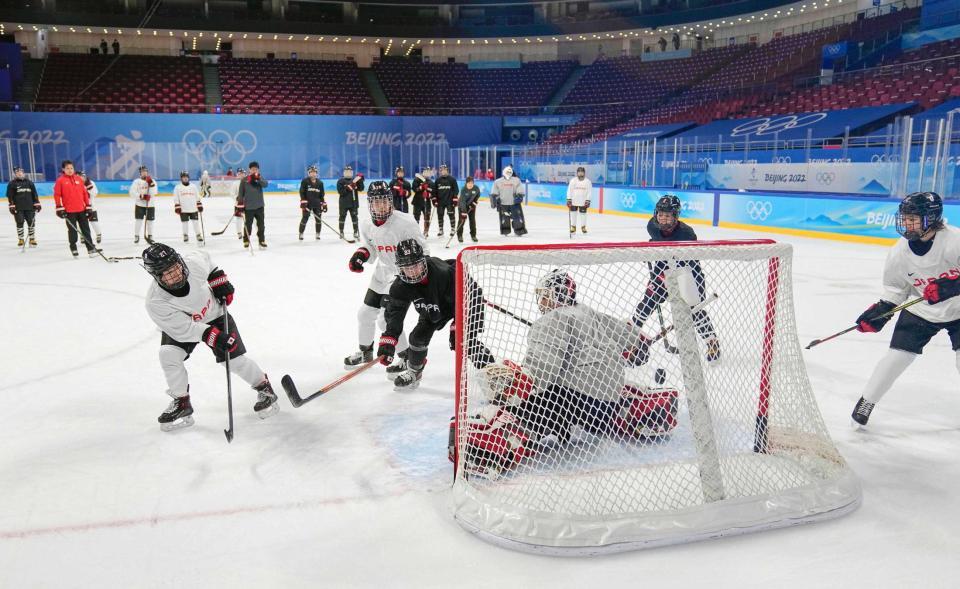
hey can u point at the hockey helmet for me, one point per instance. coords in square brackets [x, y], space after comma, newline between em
[184, 173]
[399, 172]
[144, 170]
[444, 169]
[158, 259]
[313, 169]
[348, 171]
[17, 169]
[581, 172]
[508, 171]
[556, 289]
[928, 206]
[380, 201]
[669, 204]
[411, 261]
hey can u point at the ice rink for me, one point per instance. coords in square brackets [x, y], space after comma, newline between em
[351, 490]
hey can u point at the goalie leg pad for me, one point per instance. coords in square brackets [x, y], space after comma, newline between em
[494, 445]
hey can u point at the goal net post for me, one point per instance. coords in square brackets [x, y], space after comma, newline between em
[627, 395]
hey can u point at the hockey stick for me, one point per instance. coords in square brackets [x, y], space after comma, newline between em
[458, 230]
[86, 241]
[671, 349]
[570, 222]
[296, 400]
[203, 230]
[329, 226]
[892, 311]
[497, 307]
[226, 328]
[246, 237]
[224, 230]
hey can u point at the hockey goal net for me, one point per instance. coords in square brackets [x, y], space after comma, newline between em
[224, 186]
[619, 396]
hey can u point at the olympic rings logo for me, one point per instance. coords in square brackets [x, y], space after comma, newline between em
[826, 177]
[781, 159]
[768, 126]
[759, 210]
[628, 199]
[220, 145]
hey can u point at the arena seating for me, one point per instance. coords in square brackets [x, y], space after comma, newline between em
[78, 82]
[453, 88]
[292, 86]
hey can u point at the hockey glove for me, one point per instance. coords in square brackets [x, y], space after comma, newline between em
[941, 289]
[569, 204]
[177, 210]
[89, 213]
[61, 213]
[36, 207]
[221, 286]
[323, 207]
[303, 204]
[238, 211]
[145, 197]
[199, 207]
[455, 200]
[149, 182]
[13, 209]
[357, 259]
[639, 354]
[587, 204]
[220, 341]
[387, 349]
[870, 321]
[453, 336]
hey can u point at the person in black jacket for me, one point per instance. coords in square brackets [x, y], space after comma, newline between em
[349, 187]
[429, 284]
[24, 203]
[468, 209]
[665, 225]
[446, 196]
[250, 201]
[313, 201]
[423, 191]
[400, 189]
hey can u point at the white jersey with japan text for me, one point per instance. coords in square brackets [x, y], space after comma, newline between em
[139, 187]
[93, 192]
[185, 318]
[578, 191]
[381, 241]
[906, 274]
[581, 350]
[187, 196]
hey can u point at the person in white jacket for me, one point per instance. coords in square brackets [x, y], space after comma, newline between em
[186, 203]
[579, 192]
[143, 190]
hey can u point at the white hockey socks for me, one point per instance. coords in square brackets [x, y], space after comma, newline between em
[887, 371]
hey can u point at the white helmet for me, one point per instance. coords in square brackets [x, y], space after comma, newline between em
[508, 171]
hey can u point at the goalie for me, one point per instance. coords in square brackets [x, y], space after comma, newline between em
[572, 375]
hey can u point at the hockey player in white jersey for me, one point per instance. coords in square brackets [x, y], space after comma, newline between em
[579, 191]
[186, 203]
[143, 190]
[186, 302]
[379, 237]
[925, 263]
[205, 186]
[92, 217]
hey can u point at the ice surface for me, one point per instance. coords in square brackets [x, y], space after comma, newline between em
[351, 490]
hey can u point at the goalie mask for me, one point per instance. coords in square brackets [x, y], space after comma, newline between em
[166, 266]
[927, 207]
[581, 173]
[380, 201]
[556, 289]
[508, 172]
[667, 213]
[411, 261]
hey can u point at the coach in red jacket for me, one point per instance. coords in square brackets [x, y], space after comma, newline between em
[73, 204]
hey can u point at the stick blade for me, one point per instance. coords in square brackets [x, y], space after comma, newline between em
[229, 434]
[291, 389]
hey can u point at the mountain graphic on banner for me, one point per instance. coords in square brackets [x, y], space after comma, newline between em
[820, 220]
[874, 187]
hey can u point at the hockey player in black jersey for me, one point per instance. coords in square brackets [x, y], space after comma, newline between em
[446, 197]
[429, 284]
[24, 203]
[349, 188]
[423, 191]
[401, 190]
[313, 201]
[665, 225]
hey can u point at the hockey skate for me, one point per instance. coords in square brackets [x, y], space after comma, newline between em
[246, 242]
[318, 237]
[861, 413]
[474, 238]
[200, 239]
[440, 233]
[178, 415]
[583, 229]
[136, 239]
[263, 245]
[266, 404]
[364, 355]
[398, 367]
[73, 250]
[185, 238]
[300, 236]
[93, 253]
[408, 380]
[99, 237]
[33, 242]
[21, 242]
[426, 233]
[573, 229]
[713, 349]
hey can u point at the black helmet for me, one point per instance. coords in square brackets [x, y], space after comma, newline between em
[444, 167]
[143, 169]
[312, 169]
[411, 261]
[379, 191]
[184, 173]
[158, 258]
[667, 203]
[399, 170]
[17, 169]
[928, 206]
[581, 169]
[348, 171]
